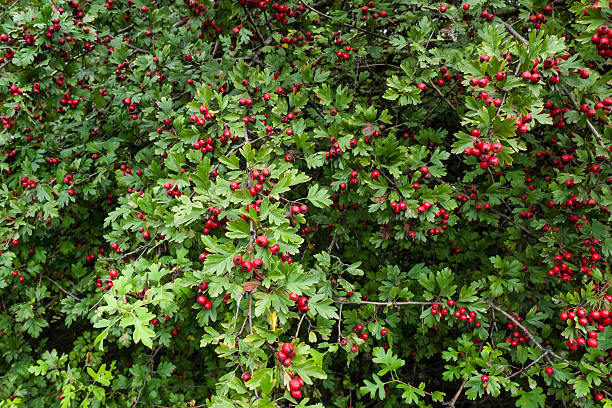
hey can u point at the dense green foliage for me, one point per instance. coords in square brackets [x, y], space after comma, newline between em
[305, 203]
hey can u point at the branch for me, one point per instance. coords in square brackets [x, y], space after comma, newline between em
[530, 364]
[522, 39]
[442, 95]
[588, 122]
[342, 301]
[309, 7]
[528, 232]
[250, 313]
[523, 328]
[457, 394]
[145, 379]
[297, 332]
[62, 289]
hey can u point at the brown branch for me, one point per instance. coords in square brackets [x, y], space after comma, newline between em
[342, 301]
[297, 332]
[530, 364]
[250, 313]
[594, 131]
[525, 230]
[442, 95]
[309, 7]
[148, 372]
[457, 394]
[340, 322]
[62, 289]
[524, 329]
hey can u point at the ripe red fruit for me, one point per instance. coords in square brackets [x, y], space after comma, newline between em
[384, 332]
[146, 235]
[246, 377]
[592, 342]
[549, 370]
[466, 6]
[202, 300]
[443, 8]
[262, 241]
[484, 378]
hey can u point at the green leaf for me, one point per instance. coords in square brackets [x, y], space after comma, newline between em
[373, 387]
[532, 399]
[319, 197]
[389, 360]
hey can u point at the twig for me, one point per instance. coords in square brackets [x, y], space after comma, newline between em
[524, 329]
[528, 232]
[588, 122]
[442, 95]
[250, 314]
[457, 394]
[530, 364]
[369, 302]
[145, 379]
[522, 39]
[309, 7]
[297, 332]
[237, 310]
[340, 322]
[62, 289]
[331, 245]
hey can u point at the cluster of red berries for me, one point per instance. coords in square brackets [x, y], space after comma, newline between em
[213, 221]
[28, 183]
[172, 190]
[398, 207]
[247, 266]
[201, 299]
[7, 122]
[444, 216]
[538, 19]
[601, 318]
[602, 106]
[602, 40]
[295, 387]
[360, 329]
[485, 151]
[516, 337]
[368, 9]
[14, 89]
[299, 39]
[285, 354]
[204, 145]
[334, 151]
[20, 278]
[462, 313]
[302, 302]
[487, 16]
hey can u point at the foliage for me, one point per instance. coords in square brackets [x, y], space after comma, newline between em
[305, 203]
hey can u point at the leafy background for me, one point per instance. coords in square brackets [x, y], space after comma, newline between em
[147, 144]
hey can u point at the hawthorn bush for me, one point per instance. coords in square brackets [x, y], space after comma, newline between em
[305, 203]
